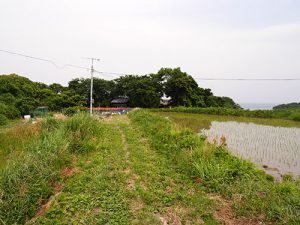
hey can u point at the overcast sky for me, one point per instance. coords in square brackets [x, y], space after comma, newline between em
[206, 38]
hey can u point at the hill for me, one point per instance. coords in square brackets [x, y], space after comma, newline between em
[293, 105]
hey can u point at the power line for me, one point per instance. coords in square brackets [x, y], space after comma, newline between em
[49, 61]
[91, 93]
[31, 57]
[45, 60]
[56, 65]
[221, 79]
[246, 79]
[110, 74]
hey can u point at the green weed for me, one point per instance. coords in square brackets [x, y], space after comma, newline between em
[221, 172]
[80, 131]
[26, 179]
[3, 120]
[35, 155]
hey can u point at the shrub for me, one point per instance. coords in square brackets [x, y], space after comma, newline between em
[295, 116]
[10, 112]
[80, 130]
[73, 110]
[3, 120]
[26, 178]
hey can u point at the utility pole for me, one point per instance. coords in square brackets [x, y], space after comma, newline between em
[91, 96]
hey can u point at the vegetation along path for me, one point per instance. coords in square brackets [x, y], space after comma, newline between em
[126, 182]
[142, 169]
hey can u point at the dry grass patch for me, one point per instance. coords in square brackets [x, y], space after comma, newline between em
[225, 214]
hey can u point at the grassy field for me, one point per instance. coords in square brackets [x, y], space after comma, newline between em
[140, 169]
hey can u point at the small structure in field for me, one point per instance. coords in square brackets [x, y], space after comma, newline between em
[27, 117]
[42, 110]
[165, 103]
[120, 102]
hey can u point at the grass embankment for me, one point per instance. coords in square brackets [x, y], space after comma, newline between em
[278, 113]
[142, 171]
[252, 193]
[197, 122]
[126, 182]
[33, 160]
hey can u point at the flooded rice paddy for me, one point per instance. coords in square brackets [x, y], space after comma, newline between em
[274, 144]
[277, 149]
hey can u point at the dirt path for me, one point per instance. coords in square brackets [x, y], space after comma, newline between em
[98, 194]
[160, 194]
[126, 182]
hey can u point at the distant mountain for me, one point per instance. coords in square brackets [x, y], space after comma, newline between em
[293, 105]
[256, 106]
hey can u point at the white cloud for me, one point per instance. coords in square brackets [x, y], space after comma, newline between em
[202, 37]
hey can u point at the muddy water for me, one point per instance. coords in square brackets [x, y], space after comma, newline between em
[276, 149]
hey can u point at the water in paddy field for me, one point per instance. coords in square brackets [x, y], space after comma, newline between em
[277, 149]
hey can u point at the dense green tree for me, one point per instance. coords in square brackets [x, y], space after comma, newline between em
[19, 95]
[81, 86]
[26, 104]
[102, 90]
[142, 91]
[184, 90]
[181, 87]
[7, 98]
[57, 88]
[229, 103]
[9, 111]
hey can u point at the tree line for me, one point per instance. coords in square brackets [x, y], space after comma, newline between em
[19, 95]
[293, 105]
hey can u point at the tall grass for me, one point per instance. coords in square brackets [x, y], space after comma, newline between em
[253, 193]
[13, 140]
[27, 179]
[81, 130]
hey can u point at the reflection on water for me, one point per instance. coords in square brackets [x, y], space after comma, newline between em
[277, 149]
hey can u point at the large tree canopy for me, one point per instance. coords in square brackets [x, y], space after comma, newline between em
[20, 95]
[142, 91]
[102, 90]
[184, 90]
[179, 86]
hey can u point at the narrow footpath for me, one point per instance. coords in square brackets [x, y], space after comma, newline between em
[126, 182]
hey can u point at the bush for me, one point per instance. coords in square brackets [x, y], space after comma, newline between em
[295, 116]
[80, 129]
[3, 120]
[73, 110]
[34, 165]
[26, 179]
[10, 112]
